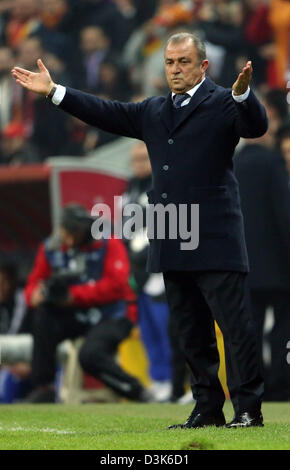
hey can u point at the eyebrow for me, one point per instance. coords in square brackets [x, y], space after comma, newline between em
[179, 58]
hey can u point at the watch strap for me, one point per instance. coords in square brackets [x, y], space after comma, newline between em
[51, 93]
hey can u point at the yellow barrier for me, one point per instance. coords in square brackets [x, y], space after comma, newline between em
[222, 368]
[133, 358]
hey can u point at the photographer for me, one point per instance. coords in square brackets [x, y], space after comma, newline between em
[79, 287]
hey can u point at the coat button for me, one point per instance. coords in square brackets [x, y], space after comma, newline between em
[170, 141]
[165, 167]
[164, 195]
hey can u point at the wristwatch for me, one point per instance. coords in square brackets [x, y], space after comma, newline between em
[51, 93]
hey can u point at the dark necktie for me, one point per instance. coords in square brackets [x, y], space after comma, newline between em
[178, 100]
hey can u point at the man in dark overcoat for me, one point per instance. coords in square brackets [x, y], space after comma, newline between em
[191, 136]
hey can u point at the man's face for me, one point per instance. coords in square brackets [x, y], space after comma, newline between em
[71, 240]
[28, 53]
[93, 39]
[183, 69]
[285, 149]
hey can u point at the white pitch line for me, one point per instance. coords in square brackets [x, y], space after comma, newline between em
[45, 430]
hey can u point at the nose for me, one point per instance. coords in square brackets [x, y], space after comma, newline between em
[176, 68]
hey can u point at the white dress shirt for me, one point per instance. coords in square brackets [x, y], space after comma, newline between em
[189, 92]
[238, 98]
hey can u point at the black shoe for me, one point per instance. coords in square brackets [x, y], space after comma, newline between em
[41, 395]
[199, 420]
[246, 420]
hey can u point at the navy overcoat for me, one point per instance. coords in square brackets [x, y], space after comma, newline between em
[191, 152]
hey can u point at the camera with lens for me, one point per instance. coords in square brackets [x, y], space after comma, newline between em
[56, 287]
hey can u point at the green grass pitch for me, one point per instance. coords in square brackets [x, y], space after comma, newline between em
[129, 426]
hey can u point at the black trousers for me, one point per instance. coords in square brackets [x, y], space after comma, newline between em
[178, 362]
[97, 354]
[277, 375]
[196, 299]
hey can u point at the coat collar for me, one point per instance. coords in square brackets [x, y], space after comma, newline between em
[203, 92]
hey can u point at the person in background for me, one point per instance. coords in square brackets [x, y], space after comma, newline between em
[265, 200]
[259, 34]
[167, 367]
[58, 31]
[6, 86]
[15, 148]
[144, 11]
[222, 25]
[283, 137]
[14, 319]
[279, 19]
[23, 21]
[35, 113]
[114, 81]
[276, 106]
[79, 287]
[110, 17]
[24, 108]
[152, 305]
[12, 303]
[94, 48]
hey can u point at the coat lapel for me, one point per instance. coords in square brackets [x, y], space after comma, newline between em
[201, 95]
[165, 112]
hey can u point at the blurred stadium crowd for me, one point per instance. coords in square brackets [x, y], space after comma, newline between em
[114, 48]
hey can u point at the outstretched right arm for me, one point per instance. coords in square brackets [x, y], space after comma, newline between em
[123, 119]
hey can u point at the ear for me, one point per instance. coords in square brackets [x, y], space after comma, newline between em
[204, 65]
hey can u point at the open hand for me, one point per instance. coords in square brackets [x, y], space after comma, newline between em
[243, 81]
[39, 82]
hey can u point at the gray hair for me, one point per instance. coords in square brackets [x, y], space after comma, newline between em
[196, 40]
